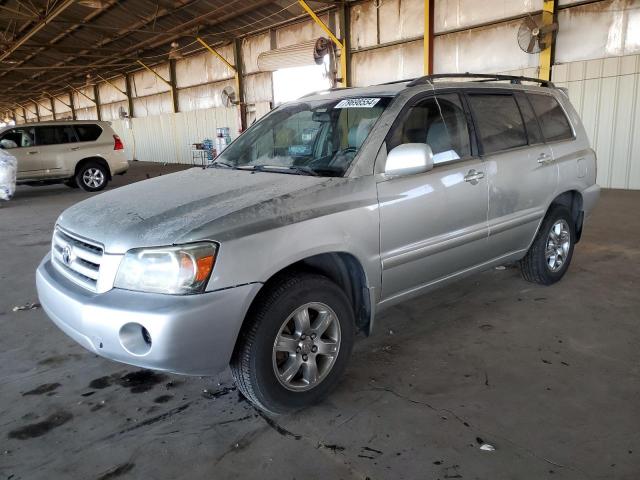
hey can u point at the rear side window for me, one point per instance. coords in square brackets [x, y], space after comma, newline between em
[530, 120]
[55, 135]
[554, 123]
[498, 121]
[88, 132]
[441, 124]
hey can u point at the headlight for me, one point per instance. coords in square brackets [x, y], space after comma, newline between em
[179, 270]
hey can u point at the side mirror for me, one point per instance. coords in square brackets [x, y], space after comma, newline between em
[408, 159]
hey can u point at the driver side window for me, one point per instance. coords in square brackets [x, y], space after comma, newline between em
[439, 122]
[17, 138]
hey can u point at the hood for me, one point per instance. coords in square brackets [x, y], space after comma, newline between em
[183, 207]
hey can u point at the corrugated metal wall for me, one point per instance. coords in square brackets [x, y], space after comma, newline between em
[167, 138]
[386, 38]
[602, 29]
[605, 93]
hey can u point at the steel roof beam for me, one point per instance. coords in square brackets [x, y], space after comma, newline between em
[36, 28]
[176, 32]
[120, 34]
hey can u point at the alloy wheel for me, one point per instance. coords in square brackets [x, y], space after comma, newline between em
[306, 347]
[558, 245]
[93, 177]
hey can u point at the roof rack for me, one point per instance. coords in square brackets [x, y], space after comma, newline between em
[481, 77]
[334, 89]
[393, 82]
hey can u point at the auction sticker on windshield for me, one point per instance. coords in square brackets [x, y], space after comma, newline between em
[357, 103]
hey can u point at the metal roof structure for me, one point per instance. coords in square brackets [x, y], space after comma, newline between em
[47, 45]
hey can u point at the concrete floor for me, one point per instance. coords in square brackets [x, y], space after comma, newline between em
[549, 376]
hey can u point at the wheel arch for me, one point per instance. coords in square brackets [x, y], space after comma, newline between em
[342, 268]
[572, 199]
[96, 159]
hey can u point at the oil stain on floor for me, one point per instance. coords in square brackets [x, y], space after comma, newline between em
[117, 471]
[40, 428]
[42, 389]
[137, 382]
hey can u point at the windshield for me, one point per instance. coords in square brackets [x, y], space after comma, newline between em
[314, 138]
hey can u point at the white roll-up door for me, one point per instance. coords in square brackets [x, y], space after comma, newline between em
[298, 55]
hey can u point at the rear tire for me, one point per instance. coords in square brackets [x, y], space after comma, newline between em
[550, 253]
[92, 177]
[286, 359]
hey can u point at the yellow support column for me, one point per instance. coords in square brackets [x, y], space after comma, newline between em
[546, 55]
[237, 73]
[112, 85]
[428, 37]
[26, 110]
[85, 96]
[224, 60]
[172, 90]
[334, 39]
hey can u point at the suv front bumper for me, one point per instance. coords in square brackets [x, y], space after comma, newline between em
[191, 334]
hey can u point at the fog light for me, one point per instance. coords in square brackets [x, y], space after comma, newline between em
[146, 336]
[135, 339]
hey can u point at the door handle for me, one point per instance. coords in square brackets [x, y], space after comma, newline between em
[544, 158]
[473, 176]
[75, 149]
[32, 153]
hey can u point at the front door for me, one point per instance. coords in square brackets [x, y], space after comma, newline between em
[20, 142]
[434, 224]
[59, 150]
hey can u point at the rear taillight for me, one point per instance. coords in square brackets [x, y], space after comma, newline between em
[117, 143]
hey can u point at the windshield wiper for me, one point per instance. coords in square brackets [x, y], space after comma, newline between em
[280, 169]
[219, 164]
[304, 171]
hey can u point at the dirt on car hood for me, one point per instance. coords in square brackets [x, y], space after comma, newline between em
[191, 205]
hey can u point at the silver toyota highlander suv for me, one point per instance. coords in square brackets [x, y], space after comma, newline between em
[323, 213]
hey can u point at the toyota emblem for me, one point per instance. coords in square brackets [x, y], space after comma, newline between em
[67, 255]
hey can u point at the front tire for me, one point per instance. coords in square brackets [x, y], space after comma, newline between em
[550, 253]
[295, 344]
[92, 177]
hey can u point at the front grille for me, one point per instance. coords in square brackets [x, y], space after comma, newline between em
[76, 258]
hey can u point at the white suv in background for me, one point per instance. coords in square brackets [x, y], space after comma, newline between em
[83, 154]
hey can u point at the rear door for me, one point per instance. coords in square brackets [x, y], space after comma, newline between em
[560, 136]
[20, 142]
[521, 173]
[93, 141]
[433, 224]
[57, 145]
[89, 136]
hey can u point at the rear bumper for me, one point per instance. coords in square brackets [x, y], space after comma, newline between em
[590, 197]
[119, 167]
[191, 335]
